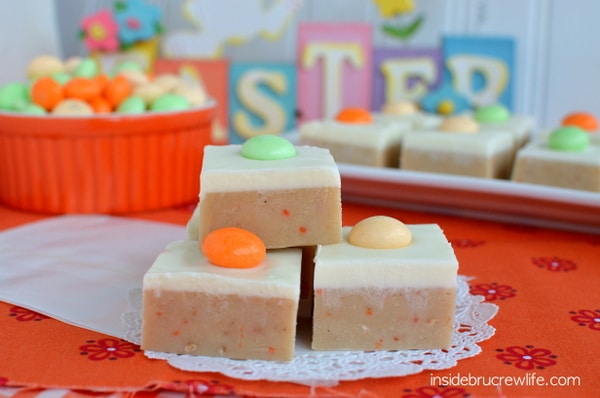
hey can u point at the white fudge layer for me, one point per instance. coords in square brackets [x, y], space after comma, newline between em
[539, 150]
[183, 267]
[428, 261]
[468, 143]
[224, 169]
[417, 121]
[370, 135]
[520, 126]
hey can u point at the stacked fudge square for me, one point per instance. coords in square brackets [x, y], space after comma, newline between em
[380, 285]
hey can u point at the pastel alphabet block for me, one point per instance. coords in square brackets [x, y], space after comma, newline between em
[481, 68]
[334, 68]
[404, 74]
[262, 100]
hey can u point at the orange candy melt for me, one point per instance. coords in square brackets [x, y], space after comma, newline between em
[233, 247]
[83, 89]
[117, 90]
[354, 115]
[582, 120]
[100, 105]
[47, 93]
[102, 80]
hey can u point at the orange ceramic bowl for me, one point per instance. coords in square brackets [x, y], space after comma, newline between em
[107, 164]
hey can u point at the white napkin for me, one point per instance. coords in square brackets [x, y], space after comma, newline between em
[80, 269]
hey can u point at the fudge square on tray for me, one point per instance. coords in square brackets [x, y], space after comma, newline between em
[459, 147]
[565, 158]
[287, 200]
[366, 142]
[369, 298]
[191, 306]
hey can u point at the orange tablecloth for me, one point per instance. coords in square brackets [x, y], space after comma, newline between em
[545, 282]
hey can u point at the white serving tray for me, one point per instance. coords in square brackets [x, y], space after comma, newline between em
[493, 199]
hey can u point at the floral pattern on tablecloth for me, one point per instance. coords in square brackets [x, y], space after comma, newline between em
[108, 348]
[544, 281]
[26, 315]
[588, 318]
[527, 357]
[493, 291]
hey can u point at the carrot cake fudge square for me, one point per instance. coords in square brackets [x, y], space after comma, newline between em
[290, 196]
[355, 137]
[191, 306]
[459, 147]
[498, 118]
[565, 158]
[387, 286]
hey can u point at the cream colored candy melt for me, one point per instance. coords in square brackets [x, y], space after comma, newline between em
[194, 94]
[135, 77]
[459, 124]
[44, 65]
[400, 108]
[149, 92]
[380, 232]
[168, 81]
[73, 107]
[71, 64]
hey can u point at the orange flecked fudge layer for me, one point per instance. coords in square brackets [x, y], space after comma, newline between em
[537, 164]
[390, 319]
[231, 326]
[281, 218]
[496, 166]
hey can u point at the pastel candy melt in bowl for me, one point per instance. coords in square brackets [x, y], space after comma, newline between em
[107, 164]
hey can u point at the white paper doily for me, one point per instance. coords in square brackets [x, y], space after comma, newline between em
[327, 368]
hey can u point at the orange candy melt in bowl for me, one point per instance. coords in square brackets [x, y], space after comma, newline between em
[104, 163]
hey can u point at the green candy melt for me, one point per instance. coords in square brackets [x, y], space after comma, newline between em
[13, 96]
[569, 138]
[86, 68]
[492, 114]
[132, 105]
[32, 109]
[170, 102]
[128, 66]
[268, 147]
[61, 78]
